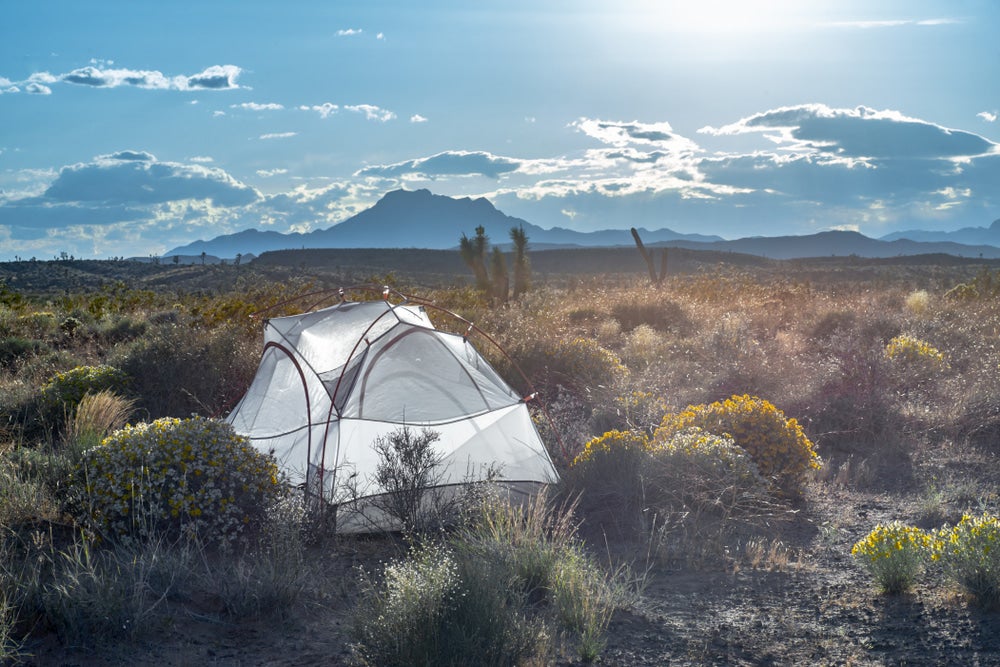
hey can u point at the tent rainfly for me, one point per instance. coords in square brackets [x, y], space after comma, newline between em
[334, 380]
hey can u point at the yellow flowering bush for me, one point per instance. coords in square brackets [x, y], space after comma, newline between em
[708, 473]
[714, 457]
[970, 554]
[910, 350]
[612, 444]
[778, 446]
[894, 554]
[179, 477]
[608, 472]
[65, 390]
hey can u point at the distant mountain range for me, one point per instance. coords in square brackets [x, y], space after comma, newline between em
[420, 219]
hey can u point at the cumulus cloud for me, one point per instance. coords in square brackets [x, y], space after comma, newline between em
[35, 88]
[861, 132]
[371, 112]
[448, 163]
[216, 77]
[277, 135]
[417, 118]
[201, 159]
[988, 116]
[325, 110]
[617, 133]
[256, 106]
[137, 177]
[349, 32]
[267, 173]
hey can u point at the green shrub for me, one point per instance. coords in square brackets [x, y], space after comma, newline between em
[894, 554]
[777, 445]
[579, 363]
[425, 612]
[490, 595]
[178, 477]
[177, 370]
[14, 349]
[708, 473]
[969, 553]
[65, 390]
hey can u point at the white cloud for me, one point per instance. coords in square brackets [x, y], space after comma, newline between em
[860, 133]
[371, 112]
[216, 77]
[34, 88]
[417, 118]
[278, 135]
[988, 116]
[267, 173]
[381, 35]
[450, 163]
[892, 23]
[217, 113]
[255, 106]
[325, 110]
[201, 159]
[622, 134]
[349, 32]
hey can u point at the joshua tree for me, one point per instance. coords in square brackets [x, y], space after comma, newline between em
[501, 279]
[474, 255]
[522, 267]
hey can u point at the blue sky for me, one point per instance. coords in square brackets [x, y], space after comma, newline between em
[129, 128]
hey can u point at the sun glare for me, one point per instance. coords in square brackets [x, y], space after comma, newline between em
[723, 16]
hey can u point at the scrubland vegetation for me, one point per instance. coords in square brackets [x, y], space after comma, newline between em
[803, 453]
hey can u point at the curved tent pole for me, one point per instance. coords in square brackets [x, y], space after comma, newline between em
[330, 291]
[336, 390]
[305, 392]
[385, 292]
[532, 392]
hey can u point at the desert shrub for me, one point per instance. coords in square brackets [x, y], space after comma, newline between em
[894, 554]
[408, 468]
[65, 390]
[607, 473]
[23, 496]
[119, 330]
[70, 325]
[642, 346]
[918, 302]
[778, 446]
[91, 596]
[833, 323]
[907, 349]
[659, 315]
[962, 292]
[14, 349]
[181, 371]
[704, 470]
[584, 314]
[178, 477]
[96, 416]
[854, 407]
[579, 363]
[271, 573]
[535, 544]
[37, 324]
[636, 410]
[490, 594]
[969, 553]
[422, 612]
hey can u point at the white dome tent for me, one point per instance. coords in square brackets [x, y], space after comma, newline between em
[332, 380]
